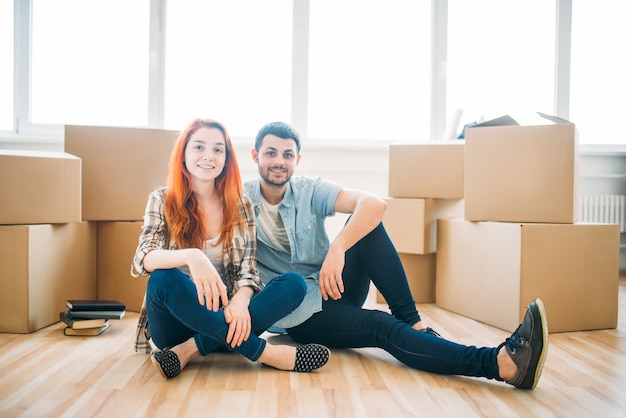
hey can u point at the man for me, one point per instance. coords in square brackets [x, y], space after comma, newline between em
[291, 236]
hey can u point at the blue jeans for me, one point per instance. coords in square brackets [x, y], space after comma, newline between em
[175, 315]
[344, 323]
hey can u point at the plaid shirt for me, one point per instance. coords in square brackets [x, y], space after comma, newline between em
[239, 262]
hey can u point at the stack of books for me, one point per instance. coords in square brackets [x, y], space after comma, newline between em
[90, 317]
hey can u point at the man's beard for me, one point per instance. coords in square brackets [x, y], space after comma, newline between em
[266, 178]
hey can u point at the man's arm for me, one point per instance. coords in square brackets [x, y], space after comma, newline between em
[367, 212]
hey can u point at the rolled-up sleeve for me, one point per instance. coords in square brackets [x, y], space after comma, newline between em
[244, 251]
[154, 232]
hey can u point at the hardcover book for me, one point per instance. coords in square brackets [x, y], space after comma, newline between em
[95, 314]
[76, 323]
[88, 332]
[95, 305]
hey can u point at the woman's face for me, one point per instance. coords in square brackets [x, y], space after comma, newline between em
[205, 154]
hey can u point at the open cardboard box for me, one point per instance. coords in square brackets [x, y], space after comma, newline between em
[522, 172]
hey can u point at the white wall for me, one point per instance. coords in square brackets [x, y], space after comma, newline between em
[604, 172]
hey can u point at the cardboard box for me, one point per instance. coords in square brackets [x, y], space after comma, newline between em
[420, 274]
[427, 170]
[490, 271]
[412, 223]
[39, 187]
[522, 173]
[41, 266]
[121, 166]
[117, 242]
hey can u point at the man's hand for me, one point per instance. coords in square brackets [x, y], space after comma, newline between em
[367, 212]
[331, 281]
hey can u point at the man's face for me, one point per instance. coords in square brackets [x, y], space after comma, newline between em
[276, 159]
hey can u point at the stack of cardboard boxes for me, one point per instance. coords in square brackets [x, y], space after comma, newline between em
[519, 238]
[70, 221]
[46, 252]
[425, 184]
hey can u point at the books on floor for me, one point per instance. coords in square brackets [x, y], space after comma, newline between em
[88, 332]
[95, 314]
[94, 305]
[77, 323]
[90, 317]
[95, 309]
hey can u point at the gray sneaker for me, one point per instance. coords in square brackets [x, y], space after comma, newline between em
[528, 346]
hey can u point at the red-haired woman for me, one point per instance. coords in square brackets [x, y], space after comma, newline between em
[198, 244]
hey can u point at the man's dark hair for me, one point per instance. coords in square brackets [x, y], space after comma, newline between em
[279, 129]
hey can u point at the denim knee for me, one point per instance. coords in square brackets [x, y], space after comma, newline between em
[294, 281]
[162, 279]
[160, 276]
[288, 289]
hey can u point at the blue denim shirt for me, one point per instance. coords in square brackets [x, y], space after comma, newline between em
[306, 205]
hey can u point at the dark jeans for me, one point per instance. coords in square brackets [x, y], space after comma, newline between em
[344, 323]
[175, 315]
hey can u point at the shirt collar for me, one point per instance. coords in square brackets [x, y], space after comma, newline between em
[255, 196]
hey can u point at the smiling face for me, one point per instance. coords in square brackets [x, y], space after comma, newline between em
[205, 155]
[276, 159]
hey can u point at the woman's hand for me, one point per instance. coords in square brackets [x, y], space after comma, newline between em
[210, 287]
[237, 317]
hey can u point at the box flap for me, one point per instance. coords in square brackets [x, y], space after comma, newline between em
[523, 119]
[38, 154]
[554, 119]
[505, 120]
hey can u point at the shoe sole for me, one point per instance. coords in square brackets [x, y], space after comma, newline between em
[170, 367]
[544, 349]
[158, 365]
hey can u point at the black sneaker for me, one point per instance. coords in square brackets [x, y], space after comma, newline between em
[528, 346]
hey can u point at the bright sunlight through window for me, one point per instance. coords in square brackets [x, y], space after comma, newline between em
[229, 61]
[598, 79]
[500, 58]
[369, 66]
[90, 62]
[6, 69]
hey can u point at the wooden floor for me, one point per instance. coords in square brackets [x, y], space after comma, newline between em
[46, 374]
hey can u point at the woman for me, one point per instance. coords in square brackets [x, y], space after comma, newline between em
[198, 245]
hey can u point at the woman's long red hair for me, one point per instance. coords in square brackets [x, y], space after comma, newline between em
[182, 213]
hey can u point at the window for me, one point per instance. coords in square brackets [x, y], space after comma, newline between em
[598, 75]
[354, 71]
[229, 61]
[500, 58]
[6, 69]
[369, 66]
[90, 62]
